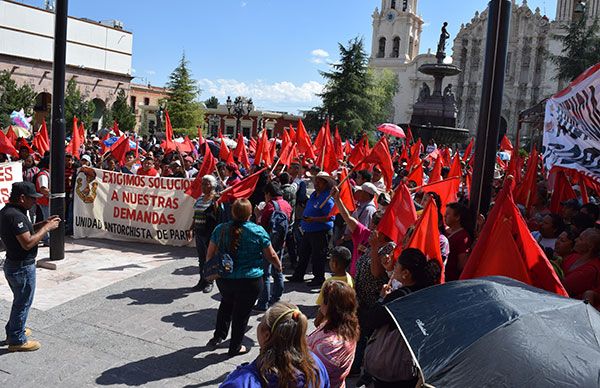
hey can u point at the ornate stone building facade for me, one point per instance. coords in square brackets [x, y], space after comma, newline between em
[530, 74]
[395, 46]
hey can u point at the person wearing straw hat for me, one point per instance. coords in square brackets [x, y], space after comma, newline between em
[316, 226]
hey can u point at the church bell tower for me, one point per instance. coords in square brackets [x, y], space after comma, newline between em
[396, 32]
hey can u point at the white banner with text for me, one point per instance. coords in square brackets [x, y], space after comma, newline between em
[9, 174]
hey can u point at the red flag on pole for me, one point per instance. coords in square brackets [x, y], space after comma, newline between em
[563, 191]
[456, 168]
[6, 146]
[120, 148]
[505, 247]
[11, 135]
[416, 175]
[359, 152]
[338, 145]
[409, 135]
[240, 152]
[468, 151]
[115, 128]
[399, 216]
[346, 195]
[82, 133]
[168, 145]
[526, 193]
[426, 236]
[223, 151]
[446, 189]
[209, 163]
[303, 141]
[380, 155]
[241, 189]
[436, 173]
[505, 144]
[75, 143]
[41, 141]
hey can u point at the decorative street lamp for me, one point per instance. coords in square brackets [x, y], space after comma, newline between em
[241, 107]
[213, 124]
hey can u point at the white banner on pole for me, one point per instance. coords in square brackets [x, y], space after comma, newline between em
[9, 174]
[572, 126]
[119, 206]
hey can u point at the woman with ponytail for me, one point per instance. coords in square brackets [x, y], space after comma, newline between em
[285, 360]
[247, 243]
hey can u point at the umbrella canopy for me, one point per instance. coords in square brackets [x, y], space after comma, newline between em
[392, 129]
[19, 131]
[499, 332]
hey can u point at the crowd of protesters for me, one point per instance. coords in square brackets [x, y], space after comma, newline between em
[323, 234]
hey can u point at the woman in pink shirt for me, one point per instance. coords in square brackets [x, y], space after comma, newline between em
[334, 341]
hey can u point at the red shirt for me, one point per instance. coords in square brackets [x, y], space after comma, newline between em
[265, 217]
[151, 172]
[460, 242]
[580, 279]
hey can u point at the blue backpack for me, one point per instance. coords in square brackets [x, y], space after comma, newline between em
[278, 227]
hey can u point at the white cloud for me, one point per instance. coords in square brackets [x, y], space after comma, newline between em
[150, 72]
[319, 53]
[265, 95]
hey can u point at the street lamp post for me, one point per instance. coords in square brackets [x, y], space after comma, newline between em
[241, 107]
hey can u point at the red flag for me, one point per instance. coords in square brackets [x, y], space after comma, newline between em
[416, 175]
[187, 146]
[41, 141]
[347, 148]
[260, 149]
[115, 128]
[446, 158]
[271, 154]
[346, 195]
[6, 146]
[505, 247]
[327, 158]
[223, 151]
[11, 135]
[415, 149]
[380, 154]
[338, 145]
[209, 162]
[75, 143]
[563, 191]
[102, 145]
[303, 141]
[21, 142]
[501, 163]
[409, 135]
[446, 189]
[292, 133]
[240, 152]
[168, 145]
[252, 145]
[82, 132]
[404, 154]
[468, 151]
[456, 168]
[426, 236]
[399, 216]
[360, 152]
[436, 173]
[526, 193]
[242, 189]
[505, 144]
[120, 148]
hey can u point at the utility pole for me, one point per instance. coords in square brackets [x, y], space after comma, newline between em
[57, 150]
[491, 106]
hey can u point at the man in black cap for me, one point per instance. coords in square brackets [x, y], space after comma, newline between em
[21, 239]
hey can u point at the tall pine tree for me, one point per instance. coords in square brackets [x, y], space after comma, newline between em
[123, 113]
[581, 49]
[184, 110]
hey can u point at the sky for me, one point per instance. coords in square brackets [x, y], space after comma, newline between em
[270, 50]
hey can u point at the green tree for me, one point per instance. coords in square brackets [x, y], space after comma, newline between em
[14, 98]
[382, 90]
[346, 94]
[76, 105]
[212, 102]
[581, 49]
[123, 113]
[184, 110]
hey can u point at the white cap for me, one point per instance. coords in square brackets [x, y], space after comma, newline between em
[369, 188]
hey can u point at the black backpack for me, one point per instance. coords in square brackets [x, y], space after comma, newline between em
[278, 227]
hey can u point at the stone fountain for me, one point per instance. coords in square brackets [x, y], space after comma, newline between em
[434, 114]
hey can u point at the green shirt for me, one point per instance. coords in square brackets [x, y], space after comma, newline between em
[248, 260]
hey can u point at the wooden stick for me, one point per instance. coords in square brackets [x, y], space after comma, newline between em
[339, 185]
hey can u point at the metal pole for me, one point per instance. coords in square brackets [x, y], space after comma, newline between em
[491, 106]
[57, 151]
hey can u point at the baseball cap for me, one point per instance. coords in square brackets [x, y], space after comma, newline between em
[24, 188]
[368, 188]
[86, 157]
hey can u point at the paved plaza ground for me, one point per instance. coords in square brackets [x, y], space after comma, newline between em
[124, 314]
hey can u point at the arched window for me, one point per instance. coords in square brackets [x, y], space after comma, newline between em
[393, 4]
[381, 51]
[396, 48]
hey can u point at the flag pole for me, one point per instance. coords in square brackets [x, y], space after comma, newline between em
[341, 183]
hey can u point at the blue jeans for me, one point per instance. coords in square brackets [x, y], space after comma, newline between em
[270, 294]
[21, 281]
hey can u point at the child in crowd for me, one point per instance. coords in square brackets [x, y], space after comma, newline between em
[339, 259]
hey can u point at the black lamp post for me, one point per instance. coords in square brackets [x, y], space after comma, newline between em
[241, 107]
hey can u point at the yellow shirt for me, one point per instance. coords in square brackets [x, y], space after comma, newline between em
[347, 279]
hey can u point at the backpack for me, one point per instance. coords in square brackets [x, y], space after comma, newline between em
[278, 227]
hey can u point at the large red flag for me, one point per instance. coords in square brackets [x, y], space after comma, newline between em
[240, 152]
[505, 144]
[292, 133]
[327, 155]
[209, 163]
[446, 189]
[415, 149]
[241, 189]
[409, 135]
[526, 193]
[468, 151]
[415, 155]
[380, 155]
[168, 145]
[346, 195]
[359, 153]
[563, 191]
[506, 247]
[426, 236]
[187, 146]
[436, 173]
[404, 154]
[6, 146]
[82, 132]
[399, 216]
[303, 141]
[75, 143]
[263, 143]
[416, 175]
[120, 148]
[446, 157]
[456, 168]
[11, 135]
[223, 151]
[41, 141]
[347, 148]
[115, 128]
[286, 154]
